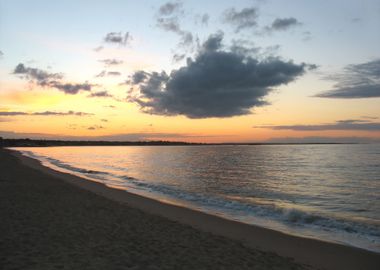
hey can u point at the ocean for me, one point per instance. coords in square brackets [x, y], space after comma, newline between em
[327, 192]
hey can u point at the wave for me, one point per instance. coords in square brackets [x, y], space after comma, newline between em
[289, 216]
[61, 164]
[234, 208]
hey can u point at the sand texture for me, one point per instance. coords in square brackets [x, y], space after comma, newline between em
[47, 223]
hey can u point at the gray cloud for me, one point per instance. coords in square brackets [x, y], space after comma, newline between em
[350, 124]
[356, 81]
[169, 8]
[283, 24]
[246, 18]
[111, 62]
[99, 48]
[178, 57]
[46, 113]
[318, 139]
[216, 83]
[72, 88]
[39, 76]
[139, 77]
[12, 113]
[47, 79]
[168, 20]
[105, 73]
[95, 127]
[100, 94]
[1, 54]
[113, 73]
[118, 38]
[205, 18]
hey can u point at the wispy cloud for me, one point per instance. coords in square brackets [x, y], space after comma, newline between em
[119, 38]
[95, 127]
[48, 79]
[243, 19]
[105, 73]
[100, 94]
[168, 19]
[319, 139]
[356, 81]
[282, 24]
[45, 113]
[349, 124]
[111, 62]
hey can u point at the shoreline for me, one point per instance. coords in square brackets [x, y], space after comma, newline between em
[308, 251]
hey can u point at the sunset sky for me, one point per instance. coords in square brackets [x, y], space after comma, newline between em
[197, 71]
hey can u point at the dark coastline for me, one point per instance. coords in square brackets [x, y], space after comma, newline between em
[46, 143]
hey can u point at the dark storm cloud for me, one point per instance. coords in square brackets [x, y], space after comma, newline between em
[356, 81]
[111, 62]
[217, 83]
[46, 113]
[350, 124]
[47, 79]
[118, 38]
[246, 18]
[213, 43]
[139, 77]
[100, 94]
[282, 24]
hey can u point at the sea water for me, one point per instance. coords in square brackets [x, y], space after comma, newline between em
[328, 192]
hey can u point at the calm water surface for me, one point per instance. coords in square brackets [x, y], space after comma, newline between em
[329, 192]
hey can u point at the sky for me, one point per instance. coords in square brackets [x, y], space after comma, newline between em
[195, 71]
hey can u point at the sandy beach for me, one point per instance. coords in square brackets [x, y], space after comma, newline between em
[52, 220]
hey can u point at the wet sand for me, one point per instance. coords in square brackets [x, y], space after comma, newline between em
[47, 222]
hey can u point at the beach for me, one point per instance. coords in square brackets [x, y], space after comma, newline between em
[53, 220]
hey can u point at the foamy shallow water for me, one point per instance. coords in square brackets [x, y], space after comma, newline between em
[328, 192]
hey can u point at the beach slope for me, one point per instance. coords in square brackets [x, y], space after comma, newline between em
[47, 223]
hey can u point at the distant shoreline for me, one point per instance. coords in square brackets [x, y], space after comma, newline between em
[47, 143]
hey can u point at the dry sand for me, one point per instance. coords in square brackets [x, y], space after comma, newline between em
[47, 223]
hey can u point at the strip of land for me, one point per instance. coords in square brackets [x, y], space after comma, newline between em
[47, 222]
